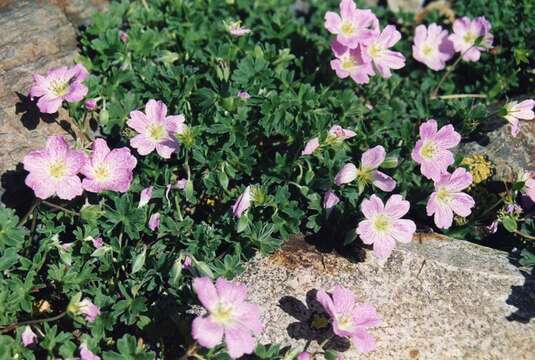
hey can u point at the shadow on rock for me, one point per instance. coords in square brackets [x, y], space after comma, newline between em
[312, 322]
[16, 194]
[523, 298]
[30, 112]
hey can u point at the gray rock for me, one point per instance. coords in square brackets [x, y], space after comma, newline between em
[405, 5]
[439, 299]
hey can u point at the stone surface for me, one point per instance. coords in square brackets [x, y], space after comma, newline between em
[405, 5]
[508, 154]
[439, 299]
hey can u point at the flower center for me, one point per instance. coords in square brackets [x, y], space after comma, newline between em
[428, 50]
[101, 173]
[345, 323]
[347, 63]
[365, 174]
[57, 169]
[381, 223]
[443, 194]
[429, 150]
[347, 29]
[375, 50]
[469, 37]
[59, 88]
[223, 314]
[156, 132]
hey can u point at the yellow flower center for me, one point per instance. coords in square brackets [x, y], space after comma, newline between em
[101, 173]
[223, 314]
[345, 322]
[469, 37]
[347, 63]
[428, 150]
[156, 132]
[375, 50]
[443, 195]
[365, 174]
[347, 29]
[428, 50]
[381, 223]
[57, 169]
[59, 88]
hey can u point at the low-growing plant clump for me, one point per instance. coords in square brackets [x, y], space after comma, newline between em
[204, 132]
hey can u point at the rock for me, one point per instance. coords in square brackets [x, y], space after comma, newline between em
[411, 6]
[439, 299]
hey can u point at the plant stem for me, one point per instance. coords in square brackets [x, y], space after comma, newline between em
[58, 207]
[459, 96]
[524, 235]
[12, 327]
[26, 216]
[434, 93]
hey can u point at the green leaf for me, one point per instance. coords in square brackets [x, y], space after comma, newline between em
[139, 261]
[509, 223]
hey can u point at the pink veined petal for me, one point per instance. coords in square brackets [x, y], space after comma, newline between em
[366, 316]
[343, 300]
[428, 129]
[80, 72]
[74, 161]
[206, 292]
[338, 49]
[249, 317]
[174, 122]
[42, 187]
[326, 302]
[459, 180]
[473, 54]
[138, 121]
[49, 104]
[100, 151]
[121, 158]
[230, 292]
[366, 232]
[420, 35]
[363, 341]
[403, 230]
[396, 207]
[389, 37]
[347, 174]
[434, 169]
[383, 181]
[207, 333]
[373, 157]
[336, 65]
[332, 22]
[515, 125]
[448, 137]
[372, 206]
[311, 146]
[156, 110]
[36, 161]
[239, 342]
[443, 215]
[383, 246]
[57, 147]
[347, 9]
[461, 204]
[142, 144]
[40, 86]
[76, 92]
[166, 148]
[69, 187]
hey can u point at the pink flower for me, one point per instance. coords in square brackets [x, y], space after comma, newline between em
[90, 310]
[145, 196]
[493, 227]
[514, 112]
[381, 57]
[53, 171]
[28, 336]
[311, 146]
[186, 265]
[229, 318]
[349, 318]
[61, 84]
[353, 26]
[181, 184]
[367, 173]
[156, 129]
[123, 36]
[330, 199]
[529, 185]
[431, 150]
[448, 198]
[304, 356]
[67, 246]
[108, 169]
[471, 37]
[236, 29]
[244, 95]
[154, 221]
[383, 225]
[432, 47]
[352, 63]
[242, 203]
[90, 104]
[339, 132]
[86, 354]
[98, 242]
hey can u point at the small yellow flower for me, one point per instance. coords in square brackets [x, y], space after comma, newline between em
[479, 167]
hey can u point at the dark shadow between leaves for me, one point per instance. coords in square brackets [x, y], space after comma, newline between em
[312, 322]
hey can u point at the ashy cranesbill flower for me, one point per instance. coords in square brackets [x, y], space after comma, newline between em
[383, 225]
[235, 29]
[471, 37]
[123, 36]
[304, 356]
[54, 170]
[61, 84]
[28, 336]
[90, 310]
[339, 132]
[515, 111]
[86, 354]
[529, 184]
[448, 198]
[432, 47]
[186, 265]
[242, 203]
[351, 62]
[156, 129]
[97, 242]
[353, 26]
[381, 57]
[90, 104]
[330, 199]
[244, 95]
[181, 184]
[108, 169]
[349, 318]
[145, 196]
[230, 318]
[154, 221]
[311, 146]
[431, 150]
[367, 173]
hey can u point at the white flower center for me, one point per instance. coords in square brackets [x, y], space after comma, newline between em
[347, 63]
[57, 169]
[443, 195]
[375, 50]
[59, 88]
[429, 150]
[381, 223]
[428, 50]
[469, 38]
[156, 131]
[223, 314]
[101, 173]
[345, 322]
[347, 29]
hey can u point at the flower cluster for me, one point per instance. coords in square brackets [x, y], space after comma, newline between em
[434, 46]
[515, 111]
[360, 47]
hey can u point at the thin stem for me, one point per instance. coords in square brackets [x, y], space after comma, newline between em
[30, 211]
[460, 96]
[58, 207]
[12, 327]
[524, 235]
[434, 93]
